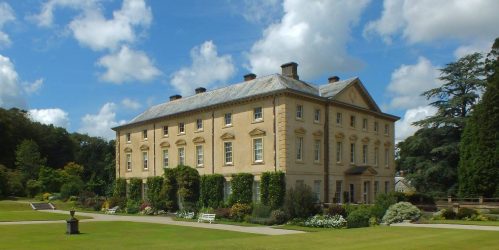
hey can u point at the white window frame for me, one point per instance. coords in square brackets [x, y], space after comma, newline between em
[228, 119]
[257, 113]
[181, 128]
[128, 161]
[365, 152]
[299, 148]
[299, 111]
[317, 151]
[199, 124]
[166, 158]
[317, 115]
[256, 191]
[339, 118]
[352, 153]
[181, 156]
[145, 160]
[165, 130]
[339, 151]
[144, 134]
[199, 155]
[228, 153]
[258, 152]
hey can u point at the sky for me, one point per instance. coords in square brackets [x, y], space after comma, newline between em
[89, 65]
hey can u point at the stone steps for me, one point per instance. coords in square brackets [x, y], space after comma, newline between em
[42, 206]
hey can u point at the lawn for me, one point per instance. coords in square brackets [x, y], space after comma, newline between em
[464, 222]
[20, 211]
[130, 235]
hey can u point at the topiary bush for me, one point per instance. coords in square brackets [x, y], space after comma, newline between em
[242, 188]
[264, 188]
[212, 191]
[300, 202]
[135, 189]
[154, 185]
[188, 186]
[401, 211]
[277, 189]
[465, 212]
[239, 210]
[359, 217]
[169, 190]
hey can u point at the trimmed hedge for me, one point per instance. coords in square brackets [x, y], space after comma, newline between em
[154, 185]
[242, 189]
[120, 188]
[212, 191]
[272, 189]
[135, 189]
[188, 186]
[169, 190]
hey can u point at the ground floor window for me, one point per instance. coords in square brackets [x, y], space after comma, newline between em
[256, 191]
[227, 190]
[337, 194]
[387, 187]
[199, 155]
[317, 190]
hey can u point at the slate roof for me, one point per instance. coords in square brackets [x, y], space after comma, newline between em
[257, 87]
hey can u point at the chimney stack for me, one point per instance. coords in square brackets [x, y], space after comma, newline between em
[200, 90]
[333, 79]
[290, 70]
[175, 97]
[249, 77]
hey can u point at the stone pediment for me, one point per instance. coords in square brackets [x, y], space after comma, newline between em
[361, 170]
[339, 135]
[317, 133]
[227, 136]
[164, 144]
[180, 142]
[300, 130]
[353, 138]
[257, 132]
[365, 139]
[198, 139]
[128, 150]
[144, 147]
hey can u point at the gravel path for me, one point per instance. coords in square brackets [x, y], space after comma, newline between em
[448, 226]
[163, 220]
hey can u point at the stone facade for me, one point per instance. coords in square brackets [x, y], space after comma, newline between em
[307, 136]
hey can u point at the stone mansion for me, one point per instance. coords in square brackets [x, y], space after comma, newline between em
[332, 137]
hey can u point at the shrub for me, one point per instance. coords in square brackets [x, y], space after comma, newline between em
[449, 214]
[188, 186]
[169, 190]
[335, 209]
[50, 179]
[359, 217]
[135, 189]
[212, 190]
[242, 188]
[278, 216]
[239, 210]
[382, 203]
[120, 188]
[15, 183]
[143, 205]
[4, 191]
[466, 213]
[326, 221]
[400, 212]
[154, 185]
[132, 207]
[264, 188]
[222, 212]
[33, 188]
[261, 211]
[300, 202]
[272, 189]
[117, 201]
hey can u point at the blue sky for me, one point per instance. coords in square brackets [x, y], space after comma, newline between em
[90, 65]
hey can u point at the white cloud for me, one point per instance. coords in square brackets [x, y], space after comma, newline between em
[131, 104]
[404, 127]
[11, 93]
[100, 124]
[127, 65]
[477, 46]
[6, 15]
[429, 20]
[409, 81]
[56, 117]
[260, 10]
[92, 29]
[33, 87]
[207, 68]
[311, 33]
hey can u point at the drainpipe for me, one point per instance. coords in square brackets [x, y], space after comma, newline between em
[326, 154]
[275, 134]
[154, 147]
[212, 142]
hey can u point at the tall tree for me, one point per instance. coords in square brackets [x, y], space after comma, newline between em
[431, 156]
[28, 159]
[479, 159]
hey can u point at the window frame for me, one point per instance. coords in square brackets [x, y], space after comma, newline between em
[128, 158]
[299, 111]
[387, 156]
[339, 151]
[181, 128]
[181, 156]
[317, 115]
[166, 160]
[317, 151]
[365, 153]
[128, 137]
[352, 153]
[339, 118]
[365, 124]
[387, 129]
[228, 119]
[353, 121]
[199, 124]
[257, 119]
[317, 190]
[199, 156]
[145, 160]
[165, 131]
[376, 127]
[255, 160]
[376, 156]
[144, 134]
[299, 148]
[228, 154]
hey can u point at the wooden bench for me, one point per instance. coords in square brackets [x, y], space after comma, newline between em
[112, 210]
[206, 217]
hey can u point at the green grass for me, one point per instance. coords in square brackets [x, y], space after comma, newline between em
[21, 211]
[129, 235]
[464, 222]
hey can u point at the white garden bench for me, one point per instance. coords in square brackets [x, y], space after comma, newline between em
[112, 210]
[206, 217]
